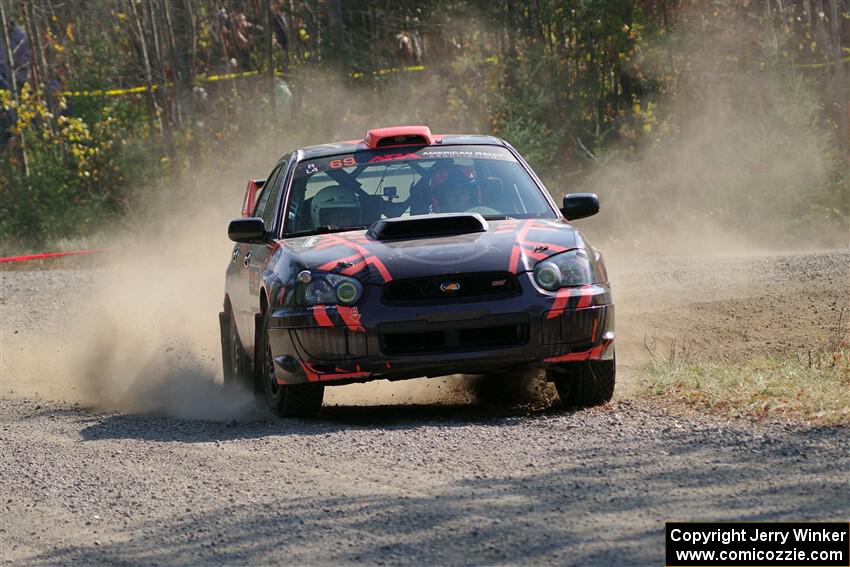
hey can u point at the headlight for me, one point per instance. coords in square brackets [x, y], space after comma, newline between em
[325, 289]
[570, 268]
[347, 292]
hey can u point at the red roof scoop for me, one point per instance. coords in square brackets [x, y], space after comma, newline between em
[399, 136]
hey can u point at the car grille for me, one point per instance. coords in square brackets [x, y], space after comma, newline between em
[485, 286]
[500, 331]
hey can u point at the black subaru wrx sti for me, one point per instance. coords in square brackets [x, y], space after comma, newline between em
[411, 254]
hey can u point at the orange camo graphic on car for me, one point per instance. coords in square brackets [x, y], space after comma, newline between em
[351, 317]
[320, 313]
[562, 298]
[531, 248]
[363, 258]
[314, 375]
[594, 353]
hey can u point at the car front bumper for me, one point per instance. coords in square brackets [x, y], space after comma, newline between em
[339, 345]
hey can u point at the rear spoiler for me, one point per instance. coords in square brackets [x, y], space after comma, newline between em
[251, 192]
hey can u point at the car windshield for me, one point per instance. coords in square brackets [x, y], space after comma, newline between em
[357, 189]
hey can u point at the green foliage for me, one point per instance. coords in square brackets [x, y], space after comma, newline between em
[78, 173]
[812, 386]
[531, 137]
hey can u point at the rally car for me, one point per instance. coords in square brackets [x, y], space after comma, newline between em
[410, 254]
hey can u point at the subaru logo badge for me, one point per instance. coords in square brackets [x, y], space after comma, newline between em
[449, 287]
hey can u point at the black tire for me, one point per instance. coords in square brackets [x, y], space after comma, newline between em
[234, 359]
[585, 384]
[293, 400]
[514, 387]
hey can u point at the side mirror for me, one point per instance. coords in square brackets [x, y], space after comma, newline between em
[580, 205]
[247, 231]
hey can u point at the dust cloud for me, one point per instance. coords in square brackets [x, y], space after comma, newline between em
[738, 159]
[144, 336]
[737, 163]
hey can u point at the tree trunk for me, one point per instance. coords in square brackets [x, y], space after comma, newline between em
[191, 13]
[158, 67]
[148, 13]
[822, 37]
[169, 33]
[183, 72]
[156, 114]
[337, 29]
[841, 84]
[183, 81]
[41, 72]
[265, 6]
[53, 27]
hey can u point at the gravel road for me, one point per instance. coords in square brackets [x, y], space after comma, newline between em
[434, 483]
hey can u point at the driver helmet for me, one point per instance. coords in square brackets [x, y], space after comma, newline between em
[335, 206]
[453, 188]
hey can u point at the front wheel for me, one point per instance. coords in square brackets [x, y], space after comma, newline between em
[518, 386]
[286, 400]
[585, 384]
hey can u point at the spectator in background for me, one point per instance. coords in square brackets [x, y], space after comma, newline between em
[280, 27]
[235, 37]
[20, 58]
[409, 47]
[20, 67]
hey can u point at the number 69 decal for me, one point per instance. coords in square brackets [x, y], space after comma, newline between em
[345, 162]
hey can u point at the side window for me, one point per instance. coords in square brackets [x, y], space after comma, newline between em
[267, 207]
[264, 194]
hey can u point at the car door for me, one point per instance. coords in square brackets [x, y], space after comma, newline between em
[258, 254]
[240, 278]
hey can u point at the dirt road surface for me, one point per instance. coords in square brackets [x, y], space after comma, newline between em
[434, 483]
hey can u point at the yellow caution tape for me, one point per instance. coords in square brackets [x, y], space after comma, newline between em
[230, 76]
[388, 71]
[108, 92]
[142, 89]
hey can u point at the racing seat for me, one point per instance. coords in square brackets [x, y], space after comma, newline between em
[420, 197]
[370, 207]
[302, 216]
[494, 196]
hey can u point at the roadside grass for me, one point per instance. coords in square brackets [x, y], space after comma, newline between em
[811, 387]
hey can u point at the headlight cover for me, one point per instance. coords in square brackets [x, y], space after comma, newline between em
[571, 268]
[332, 289]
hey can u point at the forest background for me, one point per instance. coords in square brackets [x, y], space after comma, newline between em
[679, 113]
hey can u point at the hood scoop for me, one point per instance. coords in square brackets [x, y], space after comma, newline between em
[427, 226]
